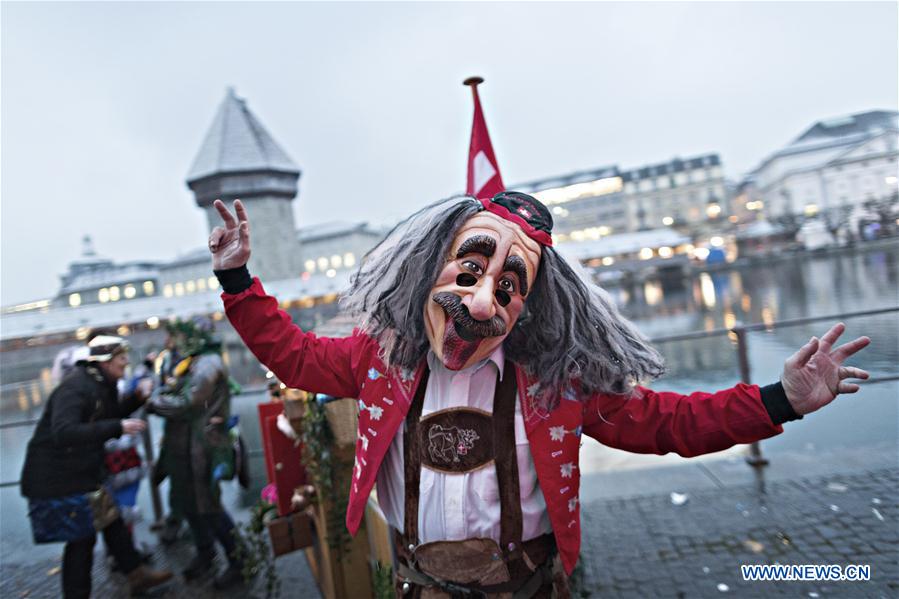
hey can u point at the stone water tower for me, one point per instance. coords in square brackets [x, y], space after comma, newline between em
[239, 159]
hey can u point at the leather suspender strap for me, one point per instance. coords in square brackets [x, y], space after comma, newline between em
[506, 463]
[507, 466]
[412, 461]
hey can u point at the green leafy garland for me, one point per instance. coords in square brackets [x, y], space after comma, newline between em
[382, 579]
[321, 466]
[252, 548]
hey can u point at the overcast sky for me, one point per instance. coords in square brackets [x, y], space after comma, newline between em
[105, 105]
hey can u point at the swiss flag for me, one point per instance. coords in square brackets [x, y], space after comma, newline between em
[484, 180]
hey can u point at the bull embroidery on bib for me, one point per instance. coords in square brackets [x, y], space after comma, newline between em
[447, 444]
[456, 440]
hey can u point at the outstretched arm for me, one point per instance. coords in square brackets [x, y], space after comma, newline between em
[660, 422]
[299, 359]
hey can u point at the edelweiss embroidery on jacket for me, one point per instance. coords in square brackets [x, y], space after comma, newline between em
[375, 411]
[557, 433]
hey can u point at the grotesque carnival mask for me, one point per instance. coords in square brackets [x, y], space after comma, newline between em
[491, 268]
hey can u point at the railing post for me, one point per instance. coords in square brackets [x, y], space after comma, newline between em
[755, 457]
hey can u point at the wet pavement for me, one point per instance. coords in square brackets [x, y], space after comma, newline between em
[42, 578]
[640, 541]
[658, 545]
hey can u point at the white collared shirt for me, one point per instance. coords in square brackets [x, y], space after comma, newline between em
[453, 507]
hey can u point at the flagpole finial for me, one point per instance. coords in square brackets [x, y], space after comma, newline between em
[473, 81]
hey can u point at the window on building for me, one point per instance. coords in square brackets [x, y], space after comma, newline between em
[310, 265]
[149, 288]
[75, 300]
[201, 284]
[130, 291]
[212, 283]
[168, 290]
[190, 286]
[349, 259]
[103, 295]
[336, 261]
[322, 263]
[179, 289]
[114, 293]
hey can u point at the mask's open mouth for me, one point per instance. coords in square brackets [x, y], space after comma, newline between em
[462, 335]
[459, 344]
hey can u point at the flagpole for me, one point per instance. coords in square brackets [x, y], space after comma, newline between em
[484, 180]
[473, 83]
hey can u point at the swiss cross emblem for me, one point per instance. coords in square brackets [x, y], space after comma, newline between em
[524, 212]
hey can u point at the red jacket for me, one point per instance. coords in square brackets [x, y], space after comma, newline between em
[645, 422]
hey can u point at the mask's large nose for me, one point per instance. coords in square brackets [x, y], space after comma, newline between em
[480, 300]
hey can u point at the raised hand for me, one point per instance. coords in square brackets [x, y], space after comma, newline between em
[230, 244]
[814, 375]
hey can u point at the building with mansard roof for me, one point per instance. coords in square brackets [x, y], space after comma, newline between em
[834, 166]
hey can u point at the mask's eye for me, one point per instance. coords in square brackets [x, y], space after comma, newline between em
[472, 267]
[466, 280]
[507, 285]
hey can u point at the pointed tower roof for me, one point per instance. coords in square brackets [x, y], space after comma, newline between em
[238, 143]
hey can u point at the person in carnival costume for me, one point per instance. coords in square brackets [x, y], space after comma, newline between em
[481, 358]
[197, 450]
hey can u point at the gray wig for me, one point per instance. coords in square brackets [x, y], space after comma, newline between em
[570, 331]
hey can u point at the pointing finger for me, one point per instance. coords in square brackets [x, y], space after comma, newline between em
[226, 215]
[847, 349]
[805, 353]
[831, 336]
[241, 211]
[850, 372]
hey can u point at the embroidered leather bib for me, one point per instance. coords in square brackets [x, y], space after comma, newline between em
[456, 440]
[461, 440]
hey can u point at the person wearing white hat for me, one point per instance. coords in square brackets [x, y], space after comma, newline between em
[65, 462]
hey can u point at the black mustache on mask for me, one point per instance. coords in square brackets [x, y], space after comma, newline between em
[452, 305]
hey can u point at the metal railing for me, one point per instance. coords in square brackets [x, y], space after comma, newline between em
[738, 332]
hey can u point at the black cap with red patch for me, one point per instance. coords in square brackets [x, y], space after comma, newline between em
[525, 211]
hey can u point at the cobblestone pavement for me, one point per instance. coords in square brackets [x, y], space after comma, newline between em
[42, 579]
[646, 546]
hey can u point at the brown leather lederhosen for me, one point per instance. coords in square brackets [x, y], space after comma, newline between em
[475, 567]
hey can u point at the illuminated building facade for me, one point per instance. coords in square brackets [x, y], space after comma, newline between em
[835, 165]
[680, 193]
[589, 205]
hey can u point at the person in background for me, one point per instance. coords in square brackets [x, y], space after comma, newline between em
[198, 451]
[65, 458]
[164, 369]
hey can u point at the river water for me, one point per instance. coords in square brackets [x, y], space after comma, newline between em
[792, 287]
